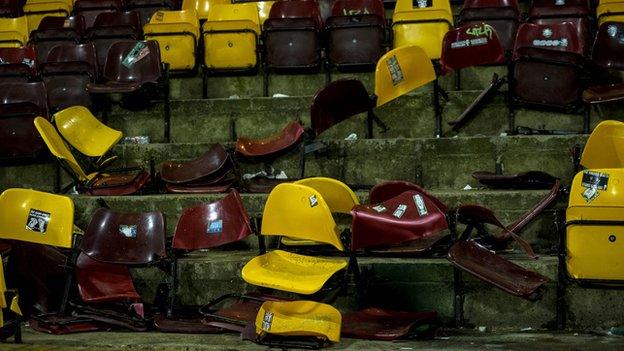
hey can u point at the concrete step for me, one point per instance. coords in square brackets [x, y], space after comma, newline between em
[448, 340]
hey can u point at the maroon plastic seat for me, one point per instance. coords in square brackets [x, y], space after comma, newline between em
[54, 30]
[407, 217]
[111, 27]
[17, 64]
[67, 71]
[116, 184]
[381, 324]
[100, 282]
[356, 33]
[285, 140]
[487, 266]
[291, 35]
[607, 55]
[90, 9]
[388, 190]
[210, 225]
[11, 8]
[548, 63]
[471, 45]
[21, 103]
[212, 162]
[130, 65]
[503, 15]
[551, 12]
[146, 8]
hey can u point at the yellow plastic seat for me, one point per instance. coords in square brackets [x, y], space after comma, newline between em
[264, 7]
[14, 32]
[85, 132]
[286, 271]
[612, 11]
[177, 34]
[36, 10]
[400, 71]
[299, 318]
[595, 234]
[605, 146]
[424, 27]
[231, 36]
[202, 7]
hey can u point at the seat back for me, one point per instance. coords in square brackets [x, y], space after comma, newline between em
[561, 37]
[17, 64]
[400, 71]
[125, 238]
[337, 195]
[132, 61]
[85, 132]
[297, 9]
[210, 225]
[503, 15]
[264, 8]
[110, 27]
[605, 146]
[337, 101]
[13, 32]
[610, 11]
[11, 8]
[358, 7]
[202, 7]
[230, 36]
[147, 8]
[177, 34]
[90, 9]
[54, 30]
[36, 217]
[36, 10]
[300, 212]
[608, 51]
[471, 45]
[58, 148]
[552, 12]
[415, 23]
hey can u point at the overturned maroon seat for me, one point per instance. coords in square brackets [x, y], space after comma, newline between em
[21, 103]
[388, 190]
[283, 141]
[17, 64]
[146, 8]
[356, 33]
[548, 66]
[53, 31]
[408, 217]
[381, 324]
[11, 8]
[67, 71]
[100, 282]
[503, 15]
[291, 35]
[471, 45]
[552, 12]
[487, 266]
[129, 182]
[523, 180]
[111, 27]
[607, 55]
[90, 9]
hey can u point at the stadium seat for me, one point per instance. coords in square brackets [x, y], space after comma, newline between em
[13, 32]
[111, 27]
[264, 8]
[503, 15]
[36, 10]
[422, 26]
[388, 325]
[21, 103]
[177, 34]
[547, 68]
[11, 8]
[610, 11]
[604, 149]
[112, 182]
[146, 8]
[287, 138]
[552, 12]
[18, 64]
[53, 31]
[90, 9]
[66, 71]
[202, 7]
[356, 33]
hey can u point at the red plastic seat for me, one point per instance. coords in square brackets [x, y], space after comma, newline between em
[551, 12]
[285, 140]
[380, 324]
[104, 282]
[471, 45]
[54, 30]
[607, 55]
[11, 8]
[503, 15]
[17, 64]
[356, 33]
[291, 35]
[111, 27]
[67, 71]
[90, 9]
[388, 190]
[21, 103]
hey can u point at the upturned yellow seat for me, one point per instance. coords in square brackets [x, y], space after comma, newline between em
[177, 34]
[202, 7]
[605, 146]
[14, 32]
[422, 26]
[300, 318]
[610, 11]
[400, 71]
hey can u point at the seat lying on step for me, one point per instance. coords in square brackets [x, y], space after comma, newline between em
[379, 324]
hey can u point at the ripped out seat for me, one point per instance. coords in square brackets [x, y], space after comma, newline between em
[388, 325]
[212, 172]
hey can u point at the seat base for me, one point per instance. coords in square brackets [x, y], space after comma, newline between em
[603, 93]
[118, 184]
[379, 324]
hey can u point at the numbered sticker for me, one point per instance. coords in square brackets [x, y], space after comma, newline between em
[313, 200]
[138, 52]
[400, 210]
[129, 231]
[380, 208]
[420, 205]
[267, 321]
[395, 70]
[37, 221]
[596, 180]
[215, 227]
